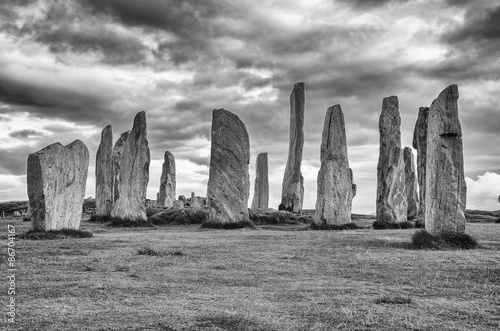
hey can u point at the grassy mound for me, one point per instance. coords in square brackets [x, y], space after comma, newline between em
[324, 226]
[392, 226]
[180, 216]
[229, 226]
[424, 240]
[55, 234]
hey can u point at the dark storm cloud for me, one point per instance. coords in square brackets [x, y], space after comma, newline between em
[26, 133]
[367, 4]
[478, 26]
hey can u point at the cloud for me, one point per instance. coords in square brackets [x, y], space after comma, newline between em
[478, 25]
[26, 133]
[483, 192]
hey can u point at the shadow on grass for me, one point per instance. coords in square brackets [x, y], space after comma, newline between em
[54, 234]
[153, 252]
[324, 226]
[229, 322]
[121, 222]
[229, 226]
[393, 226]
[423, 240]
[394, 299]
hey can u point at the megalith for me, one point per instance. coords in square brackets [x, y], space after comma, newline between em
[335, 187]
[134, 173]
[420, 144]
[445, 195]
[104, 174]
[391, 194]
[293, 183]
[228, 181]
[117, 154]
[56, 179]
[410, 184]
[166, 195]
[261, 191]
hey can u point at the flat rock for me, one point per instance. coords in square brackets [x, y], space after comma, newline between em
[134, 173]
[166, 195]
[446, 189]
[410, 184]
[261, 193]
[293, 183]
[56, 179]
[335, 187]
[420, 144]
[391, 194]
[229, 180]
[104, 174]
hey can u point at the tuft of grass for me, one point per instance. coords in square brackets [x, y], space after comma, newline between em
[153, 252]
[127, 223]
[228, 322]
[392, 226]
[324, 226]
[395, 299]
[424, 240]
[55, 234]
[229, 226]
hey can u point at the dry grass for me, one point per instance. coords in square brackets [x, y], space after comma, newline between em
[255, 280]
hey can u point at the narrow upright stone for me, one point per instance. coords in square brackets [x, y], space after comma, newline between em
[446, 190]
[228, 180]
[410, 184]
[293, 183]
[335, 187]
[117, 154]
[166, 196]
[134, 173]
[420, 144]
[391, 194]
[261, 194]
[56, 178]
[104, 174]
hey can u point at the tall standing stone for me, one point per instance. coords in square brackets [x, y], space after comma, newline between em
[104, 174]
[134, 173]
[56, 178]
[292, 194]
[391, 194]
[420, 144]
[446, 190]
[166, 196]
[261, 194]
[410, 184]
[229, 180]
[335, 187]
[117, 155]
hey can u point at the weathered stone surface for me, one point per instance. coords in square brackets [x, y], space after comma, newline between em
[420, 144]
[183, 200]
[134, 173]
[228, 181]
[178, 204]
[410, 184]
[293, 183]
[56, 178]
[117, 154]
[354, 186]
[446, 190]
[195, 202]
[391, 194]
[335, 187]
[261, 193]
[104, 174]
[166, 195]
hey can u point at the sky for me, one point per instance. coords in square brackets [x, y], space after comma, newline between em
[68, 68]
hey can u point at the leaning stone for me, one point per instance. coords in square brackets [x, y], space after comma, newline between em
[445, 185]
[391, 194]
[117, 154]
[292, 194]
[166, 195]
[420, 144]
[261, 190]
[335, 187]
[56, 178]
[410, 184]
[228, 181]
[134, 173]
[104, 174]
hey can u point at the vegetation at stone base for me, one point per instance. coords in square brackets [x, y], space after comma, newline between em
[120, 222]
[324, 226]
[229, 226]
[424, 240]
[271, 216]
[254, 280]
[392, 226]
[180, 216]
[54, 234]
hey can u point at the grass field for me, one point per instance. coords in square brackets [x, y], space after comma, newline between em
[185, 278]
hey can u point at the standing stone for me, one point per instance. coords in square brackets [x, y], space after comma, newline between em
[134, 173]
[420, 144]
[261, 193]
[56, 178]
[166, 196]
[335, 187]
[228, 180]
[178, 204]
[410, 184]
[391, 194]
[104, 175]
[117, 154]
[446, 190]
[293, 183]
